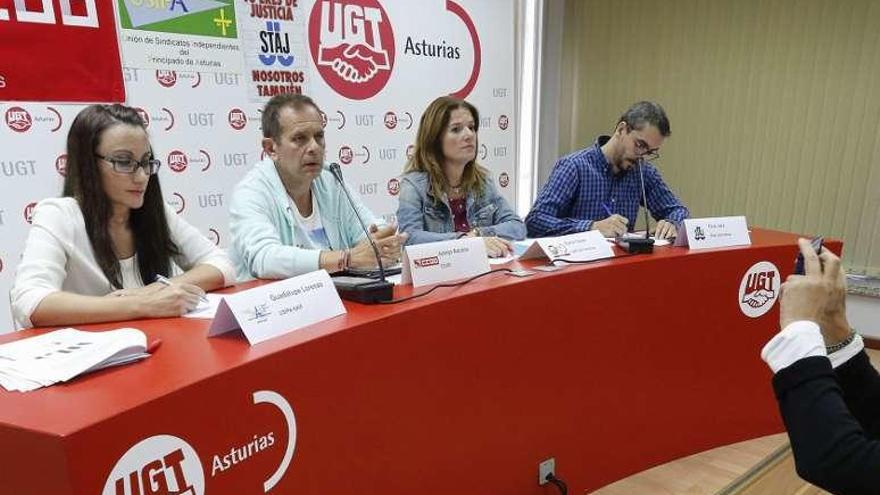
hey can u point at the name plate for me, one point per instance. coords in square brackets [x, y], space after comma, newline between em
[703, 233]
[583, 246]
[278, 308]
[438, 262]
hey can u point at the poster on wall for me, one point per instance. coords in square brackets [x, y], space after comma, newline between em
[59, 51]
[180, 35]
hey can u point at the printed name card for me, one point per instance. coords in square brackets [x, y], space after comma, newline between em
[438, 262]
[278, 308]
[703, 233]
[583, 246]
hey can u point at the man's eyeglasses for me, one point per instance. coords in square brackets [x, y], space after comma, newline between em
[643, 149]
[130, 165]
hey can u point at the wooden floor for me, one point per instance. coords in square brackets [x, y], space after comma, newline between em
[705, 473]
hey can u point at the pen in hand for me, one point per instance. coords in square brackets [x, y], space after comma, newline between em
[607, 209]
[164, 281]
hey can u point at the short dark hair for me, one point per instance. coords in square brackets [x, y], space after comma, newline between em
[271, 125]
[646, 112]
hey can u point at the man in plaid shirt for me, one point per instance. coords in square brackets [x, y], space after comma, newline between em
[598, 188]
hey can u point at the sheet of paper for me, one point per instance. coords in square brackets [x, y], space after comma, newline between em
[208, 309]
[501, 261]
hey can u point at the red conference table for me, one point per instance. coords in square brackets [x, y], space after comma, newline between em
[610, 368]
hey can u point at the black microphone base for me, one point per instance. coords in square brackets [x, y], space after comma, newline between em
[368, 292]
[637, 245]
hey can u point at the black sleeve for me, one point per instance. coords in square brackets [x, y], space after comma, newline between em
[861, 391]
[831, 449]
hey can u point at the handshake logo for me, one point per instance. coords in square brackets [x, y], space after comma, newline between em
[353, 46]
[759, 289]
[759, 298]
[354, 63]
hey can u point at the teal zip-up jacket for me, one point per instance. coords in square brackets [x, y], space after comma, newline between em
[264, 232]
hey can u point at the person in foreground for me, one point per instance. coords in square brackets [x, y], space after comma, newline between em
[599, 188]
[95, 254]
[828, 392]
[444, 193]
[289, 215]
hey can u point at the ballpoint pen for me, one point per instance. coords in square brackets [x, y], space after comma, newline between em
[607, 209]
[164, 281]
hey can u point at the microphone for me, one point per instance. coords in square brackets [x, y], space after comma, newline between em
[358, 289]
[637, 244]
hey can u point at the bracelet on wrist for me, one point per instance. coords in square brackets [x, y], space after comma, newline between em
[340, 262]
[843, 343]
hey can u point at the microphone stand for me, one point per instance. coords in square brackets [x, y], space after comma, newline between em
[638, 245]
[365, 291]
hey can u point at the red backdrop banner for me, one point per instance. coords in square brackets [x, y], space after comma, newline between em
[59, 50]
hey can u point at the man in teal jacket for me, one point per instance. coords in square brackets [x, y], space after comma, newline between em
[289, 216]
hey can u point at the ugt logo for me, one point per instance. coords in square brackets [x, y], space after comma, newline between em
[162, 464]
[346, 155]
[503, 122]
[393, 187]
[390, 120]
[177, 161]
[166, 78]
[759, 289]
[61, 165]
[352, 44]
[29, 212]
[275, 45]
[18, 119]
[237, 119]
[504, 179]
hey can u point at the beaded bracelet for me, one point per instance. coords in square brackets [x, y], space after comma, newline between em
[843, 343]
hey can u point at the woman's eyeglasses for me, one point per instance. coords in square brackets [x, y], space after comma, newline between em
[130, 165]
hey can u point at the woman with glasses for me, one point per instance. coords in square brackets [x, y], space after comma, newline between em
[110, 248]
[445, 194]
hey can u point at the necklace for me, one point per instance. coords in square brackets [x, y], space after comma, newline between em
[455, 189]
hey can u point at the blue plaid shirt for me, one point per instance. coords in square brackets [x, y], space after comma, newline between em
[581, 187]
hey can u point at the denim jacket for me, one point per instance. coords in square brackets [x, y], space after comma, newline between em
[426, 221]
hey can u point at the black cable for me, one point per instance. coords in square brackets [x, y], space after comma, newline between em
[584, 262]
[558, 483]
[497, 270]
[456, 284]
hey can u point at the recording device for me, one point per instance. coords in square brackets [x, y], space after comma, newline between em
[816, 244]
[373, 272]
[637, 244]
[362, 290]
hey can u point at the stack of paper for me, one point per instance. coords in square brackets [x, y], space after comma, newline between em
[58, 356]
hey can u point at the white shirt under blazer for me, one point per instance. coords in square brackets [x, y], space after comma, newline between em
[58, 256]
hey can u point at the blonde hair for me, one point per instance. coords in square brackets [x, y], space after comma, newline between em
[428, 153]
